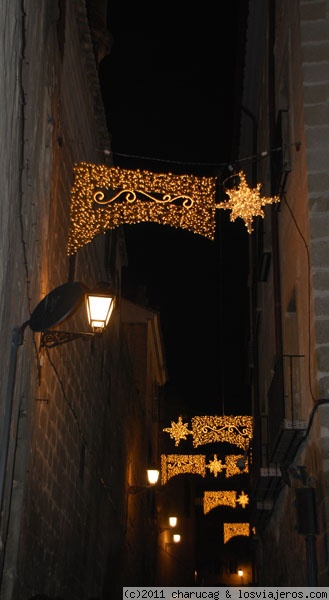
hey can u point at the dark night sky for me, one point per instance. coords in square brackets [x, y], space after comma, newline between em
[170, 86]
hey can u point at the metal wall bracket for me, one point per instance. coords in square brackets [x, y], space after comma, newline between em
[50, 339]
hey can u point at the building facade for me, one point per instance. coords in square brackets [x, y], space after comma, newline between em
[284, 131]
[71, 410]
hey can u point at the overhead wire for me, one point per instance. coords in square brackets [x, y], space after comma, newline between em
[231, 165]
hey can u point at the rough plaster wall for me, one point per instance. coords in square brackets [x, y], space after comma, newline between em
[315, 52]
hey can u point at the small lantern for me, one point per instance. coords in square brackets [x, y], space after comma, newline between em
[172, 522]
[100, 305]
[152, 476]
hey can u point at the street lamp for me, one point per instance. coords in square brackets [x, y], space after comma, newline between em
[176, 538]
[100, 306]
[55, 308]
[152, 478]
[63, 302]
[172, 524]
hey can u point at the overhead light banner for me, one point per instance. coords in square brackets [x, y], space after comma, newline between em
[104, 198]
[237, 430]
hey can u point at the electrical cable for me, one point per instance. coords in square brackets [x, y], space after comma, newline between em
[229, 164]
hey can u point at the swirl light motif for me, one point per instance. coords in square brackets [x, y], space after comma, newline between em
[232, 467]
[176, 464]
[218, 498]
[223, 498]
[181, 201]
[131, 196]
[234, 529]
[237, 430]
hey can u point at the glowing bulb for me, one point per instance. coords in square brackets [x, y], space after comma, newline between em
[172, 521]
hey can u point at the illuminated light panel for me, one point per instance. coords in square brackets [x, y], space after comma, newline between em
[176, 464]
[178, 431]
[105, 197]
[234, 529]
[231, 466]
[215, 466]
[235, 430]
[243, 499]
[245, 202]
[218, 498]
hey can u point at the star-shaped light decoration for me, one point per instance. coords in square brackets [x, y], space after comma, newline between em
[178, 431]
[243, 499]
[245, 202]
[215, 466]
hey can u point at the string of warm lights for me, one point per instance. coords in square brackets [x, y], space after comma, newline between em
[234, 529]
[237, 430]
[208, 429]
[215, 466]
[243, 499]
[245, 202]
[178, 431]
[105, 197]
[212, 499]
[230, 467]
[218, 498]
[176, 464]
[231, 464]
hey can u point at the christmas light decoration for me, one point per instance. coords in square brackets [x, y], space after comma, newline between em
[104, 197]
[243, 499]
[245, 202]
[178, 431]
[235, 430]
[215, 466]
[223, 498]
[232, 467]
[218, 498]
[176, 464]
[234, 529]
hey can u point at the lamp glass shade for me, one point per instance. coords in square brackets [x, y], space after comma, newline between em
[176, 538]
[152, 476]
[172, 521]
[99, 309]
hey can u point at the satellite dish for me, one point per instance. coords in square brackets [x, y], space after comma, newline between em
[57, 306]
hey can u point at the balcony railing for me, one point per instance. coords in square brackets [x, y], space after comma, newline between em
[278, 434]
[286, 425]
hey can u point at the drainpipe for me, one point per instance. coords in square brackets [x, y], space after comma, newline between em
[274, 215]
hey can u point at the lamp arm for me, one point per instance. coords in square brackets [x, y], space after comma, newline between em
[135, 489]
[52, 338]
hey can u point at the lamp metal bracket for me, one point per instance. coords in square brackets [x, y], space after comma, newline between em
[50, 339]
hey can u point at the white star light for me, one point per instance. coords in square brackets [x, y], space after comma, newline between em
[245, 202]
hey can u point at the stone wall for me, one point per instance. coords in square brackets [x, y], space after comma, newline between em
[293, 76]
[67, 445]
